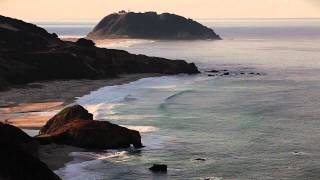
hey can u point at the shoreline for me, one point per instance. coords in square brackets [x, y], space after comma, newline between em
[30, 106]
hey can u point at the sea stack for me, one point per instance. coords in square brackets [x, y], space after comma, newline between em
[150, 25]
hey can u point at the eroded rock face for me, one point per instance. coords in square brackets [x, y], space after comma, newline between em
[150, 25]
[93, 134]
[63, 117]
[19, 156]
[74, 126]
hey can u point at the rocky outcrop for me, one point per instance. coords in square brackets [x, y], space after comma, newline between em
[19, 156]
[74, 126]
[150, 25]
[29, 53]
[85, 42]
[65, 116]
[232, 73]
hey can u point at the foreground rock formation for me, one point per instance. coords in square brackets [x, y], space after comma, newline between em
[75, 126]
[19, 156]
[72, 126]
[150, 25]
[29, 53]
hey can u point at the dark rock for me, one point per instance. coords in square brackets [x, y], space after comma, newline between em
[63, 117]
[54, 35]
[19, 156]
[210, 75]
[16, 164]
[150, 25]
[80, 130]
[200, 159]
[85, 42]
[93, 134]
[16, 137]
[29, 53]
[226, 74]
[213, 71]
[158, 168]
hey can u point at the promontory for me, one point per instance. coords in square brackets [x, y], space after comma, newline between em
[29, 53]
[150, 25]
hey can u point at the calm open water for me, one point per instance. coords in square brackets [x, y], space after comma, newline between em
[244, 126]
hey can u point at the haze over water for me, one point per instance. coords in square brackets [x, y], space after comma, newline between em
[245, 126]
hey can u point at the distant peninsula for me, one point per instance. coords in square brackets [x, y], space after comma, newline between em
[29, 53]
[150, 25]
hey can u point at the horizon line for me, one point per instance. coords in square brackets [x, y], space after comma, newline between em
[96, 20]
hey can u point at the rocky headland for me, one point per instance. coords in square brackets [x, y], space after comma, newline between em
[150, 25]
[29, 57]
[29, 53]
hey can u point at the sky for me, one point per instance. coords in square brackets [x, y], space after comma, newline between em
[34, 10]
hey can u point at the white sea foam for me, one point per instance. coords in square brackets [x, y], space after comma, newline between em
[80, 170]
[120, 93]
[84, 161]
[125, 43]
[143, 129]
[109, 97]
[131, 117]
[70, 37]
[105, 102]
[100, 155]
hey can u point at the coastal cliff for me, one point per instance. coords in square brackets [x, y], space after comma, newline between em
[150, 25]
[29, 53]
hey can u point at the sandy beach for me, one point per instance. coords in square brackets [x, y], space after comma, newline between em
[31, 106]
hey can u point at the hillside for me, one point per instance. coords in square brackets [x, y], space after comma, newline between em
[29, 53]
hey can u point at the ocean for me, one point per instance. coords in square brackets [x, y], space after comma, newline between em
[262, 121]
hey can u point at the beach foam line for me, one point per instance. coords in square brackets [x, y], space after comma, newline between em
[100, 155]
[125, 43]
[118, 93]
[75, 171]
[142, 129]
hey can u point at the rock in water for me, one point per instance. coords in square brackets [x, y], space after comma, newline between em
[200, 159]
[158, 168]
[74, 126]
[19, 156]
[150, 25]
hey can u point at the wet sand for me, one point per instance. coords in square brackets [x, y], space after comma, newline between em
[56, 156]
